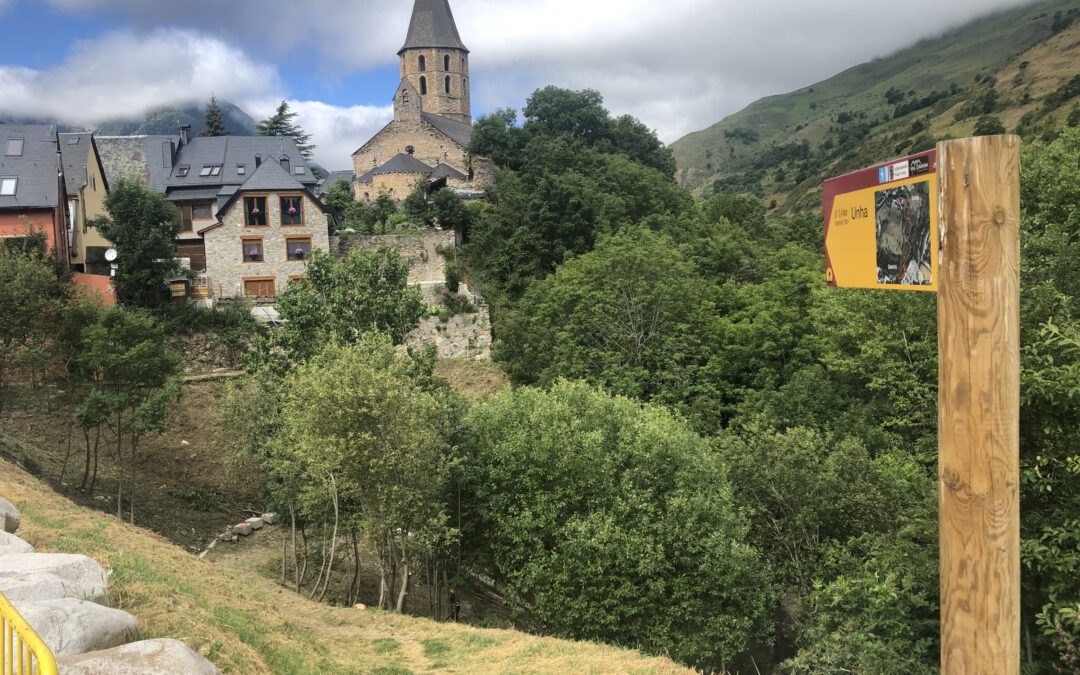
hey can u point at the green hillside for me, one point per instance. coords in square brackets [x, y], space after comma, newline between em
[160, 121]
[1016, 66]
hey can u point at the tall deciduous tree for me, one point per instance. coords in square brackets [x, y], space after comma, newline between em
[31, 298]
[142, 227]
[283, 123]
[214, 120]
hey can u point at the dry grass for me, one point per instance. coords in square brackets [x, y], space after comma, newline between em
[247, 624]
[475, 380]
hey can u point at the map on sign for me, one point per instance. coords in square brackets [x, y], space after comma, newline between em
[881, 226]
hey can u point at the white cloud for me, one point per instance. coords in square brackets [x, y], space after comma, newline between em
[337, 131]
[123, 75]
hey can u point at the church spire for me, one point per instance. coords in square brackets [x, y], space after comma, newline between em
[432, 26]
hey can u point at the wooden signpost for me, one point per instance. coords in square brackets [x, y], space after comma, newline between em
[975, 269]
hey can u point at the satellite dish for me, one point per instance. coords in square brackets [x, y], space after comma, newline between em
[110, 255]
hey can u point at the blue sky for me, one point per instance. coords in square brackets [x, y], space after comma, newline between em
[679, 66]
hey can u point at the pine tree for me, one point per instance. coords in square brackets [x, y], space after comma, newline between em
[214, 120]
[281, 124]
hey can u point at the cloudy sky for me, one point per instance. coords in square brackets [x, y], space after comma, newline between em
[678, 65]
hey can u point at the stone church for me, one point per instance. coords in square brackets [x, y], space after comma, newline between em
[432, 113]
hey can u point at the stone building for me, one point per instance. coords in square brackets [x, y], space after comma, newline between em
[263, 234]
[432, 122]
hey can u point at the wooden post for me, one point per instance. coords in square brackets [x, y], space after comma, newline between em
[979, 407]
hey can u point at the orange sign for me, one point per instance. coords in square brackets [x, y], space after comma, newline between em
[881, 228]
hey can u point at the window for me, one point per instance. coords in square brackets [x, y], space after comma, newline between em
[299, 170]
[14, 147]
[423, 86]
[206, 170]
[423, 64]
[183, 212]
[447, 84]
[446, 62]
[201, 212]
[73, 140]
[292, 210]
[253, 250]
[8, 186]
[261, 287]
[410, 150]
[297, 248]
[286, 164]
[182, 171]
[241, 169]
[255, 211]
[404, 96]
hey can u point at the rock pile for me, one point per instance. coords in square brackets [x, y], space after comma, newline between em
[61, 597]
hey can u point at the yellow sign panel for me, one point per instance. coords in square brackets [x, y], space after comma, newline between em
[881, 228]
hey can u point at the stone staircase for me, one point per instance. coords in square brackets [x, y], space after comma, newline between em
[61, 596]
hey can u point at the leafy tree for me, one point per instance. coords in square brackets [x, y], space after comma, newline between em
[132, 385]
[449, 211]
[988, 125]
[497, 137]
[417, 205]
[214, 120]
[143, 228]
[605, 520]
[31, 299]
[342, 300]
[282, 123]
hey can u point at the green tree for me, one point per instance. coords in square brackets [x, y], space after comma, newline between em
[214, 120]
[341, 300]
[282, 123]
[417, 205]
[133, 385]
[31, 300]
[143, 228]
[449, 211]
[605, 520]
[988, 125]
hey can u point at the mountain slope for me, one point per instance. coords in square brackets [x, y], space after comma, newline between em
[248, 624]
[1006, 65]
[165, 121]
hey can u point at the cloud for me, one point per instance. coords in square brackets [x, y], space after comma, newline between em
[678, 65]
[337, 131]
[123, 75]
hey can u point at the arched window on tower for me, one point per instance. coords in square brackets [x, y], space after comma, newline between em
[446, 62]
[423, 64]
[447, 84]
[423, 86]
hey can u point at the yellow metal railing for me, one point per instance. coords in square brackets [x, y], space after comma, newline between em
[22, 650]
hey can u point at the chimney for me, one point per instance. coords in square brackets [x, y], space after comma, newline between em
[185, 134]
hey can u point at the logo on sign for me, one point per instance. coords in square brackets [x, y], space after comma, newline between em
[920, 165]
[883, 174]
[900, 171]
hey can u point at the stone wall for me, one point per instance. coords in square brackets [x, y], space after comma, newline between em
[465, 336]
[224, 253]
[421, 251]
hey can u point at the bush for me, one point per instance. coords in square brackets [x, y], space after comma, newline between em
[453, 276]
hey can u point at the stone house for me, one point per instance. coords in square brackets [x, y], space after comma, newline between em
[264, 232]
[432, 124]
[87, 187]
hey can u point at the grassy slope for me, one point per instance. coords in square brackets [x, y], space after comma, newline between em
[250, 625]
[993, 46]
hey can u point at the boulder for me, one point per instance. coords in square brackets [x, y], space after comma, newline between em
[41, 576]
[255, 523]
[9, 517]
[70, 627]
[151, 657]
[12, 545]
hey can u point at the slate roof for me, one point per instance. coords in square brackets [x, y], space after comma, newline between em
[459, 132]
[432, 25]
[75, 154]
[37, 168]
[400, 163]
[446, 171]
[270, 177]
[144, 158]
[229, 152]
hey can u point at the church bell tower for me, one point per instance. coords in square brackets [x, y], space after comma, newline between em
[435, 62]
